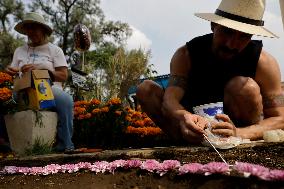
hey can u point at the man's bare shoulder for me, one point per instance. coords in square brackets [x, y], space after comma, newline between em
[180, 61]
[268, 77]
[268, 71]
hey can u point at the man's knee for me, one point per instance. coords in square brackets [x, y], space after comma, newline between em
[147, 89]
[244, 87]
[242, 98]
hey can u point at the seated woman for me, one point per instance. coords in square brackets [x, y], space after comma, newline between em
[39, 53]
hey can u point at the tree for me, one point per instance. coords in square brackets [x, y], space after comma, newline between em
[8, 8]
[65, 14]
[125, 70]
[8, 45]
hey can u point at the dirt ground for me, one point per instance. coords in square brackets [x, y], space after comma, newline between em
[131, 179]
[268, 155]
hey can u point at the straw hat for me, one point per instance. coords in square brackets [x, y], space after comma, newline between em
[32, 17]
[242, 15]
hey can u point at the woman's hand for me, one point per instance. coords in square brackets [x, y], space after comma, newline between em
[192, 127]
[28, 67]
[225, 127]
[12, 70]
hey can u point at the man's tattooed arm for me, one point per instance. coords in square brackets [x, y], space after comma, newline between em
[273, 101]
[179, 81]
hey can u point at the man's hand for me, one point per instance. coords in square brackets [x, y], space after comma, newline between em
[192, 127]
[12, 70]
[225, 127]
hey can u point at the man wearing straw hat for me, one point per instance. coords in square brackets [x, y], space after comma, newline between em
[225, 66]
[39, 53]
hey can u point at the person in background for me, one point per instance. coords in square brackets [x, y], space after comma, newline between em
[225, 65]
[39, 53]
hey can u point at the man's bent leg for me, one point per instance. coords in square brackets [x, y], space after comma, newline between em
[243, 101]
[150, 96]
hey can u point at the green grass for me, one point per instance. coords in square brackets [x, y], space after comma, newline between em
[39, 148]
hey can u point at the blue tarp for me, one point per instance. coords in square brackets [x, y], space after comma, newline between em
[162, 80]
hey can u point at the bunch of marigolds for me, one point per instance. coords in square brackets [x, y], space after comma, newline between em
[98, 122]
[7, 103]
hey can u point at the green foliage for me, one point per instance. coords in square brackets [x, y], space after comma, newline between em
[101, 57]
[125, 70]
[8, 45]
[39, 148]
[114, 70]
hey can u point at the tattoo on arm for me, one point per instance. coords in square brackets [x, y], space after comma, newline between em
[179, 81]
[273, 101]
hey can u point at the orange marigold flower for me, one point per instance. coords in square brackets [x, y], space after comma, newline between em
[114, 101]
[128, 118]
[143, 131]
[95, 102]
[77, 103]
[118, 113]
[5, 94]
[96, 110]
[79, 110]
[129, 110]
[130, 129]
[84, 103]
[137, 114]
[5, 77]
[148, 121]
[88, 115]
[153, 130]
[139, 123]
[104, 109]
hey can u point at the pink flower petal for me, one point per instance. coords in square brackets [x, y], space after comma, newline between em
[216, 167]
[253, 169]
[276, 175]
[150, 165]
[133, 163]
[193, 168]
[168, 165]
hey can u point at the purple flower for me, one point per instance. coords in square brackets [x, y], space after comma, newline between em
[194, 168]
[150, 165]
[252, 169]
[216, 167]
[276, 175]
